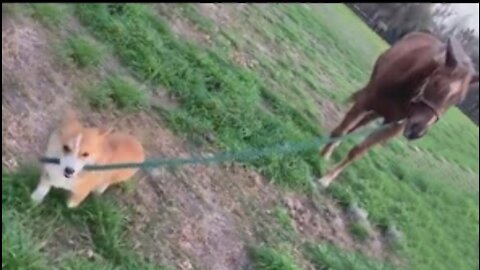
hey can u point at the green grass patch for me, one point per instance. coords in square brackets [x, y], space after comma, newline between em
[85, 264]
[20, 248]
[359, 231]
[51, 15]
[83, 52]
[26, 228]
[265, 258]
[455, 138]
[284, 219]
[426, 208]
[118, 92]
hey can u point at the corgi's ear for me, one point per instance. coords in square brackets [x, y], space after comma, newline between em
[104, 131]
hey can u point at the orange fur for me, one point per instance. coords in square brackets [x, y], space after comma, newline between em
[89, 146]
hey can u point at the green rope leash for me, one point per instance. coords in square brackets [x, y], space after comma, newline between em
[245, 155]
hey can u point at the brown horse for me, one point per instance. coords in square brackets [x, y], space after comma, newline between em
[412, 84]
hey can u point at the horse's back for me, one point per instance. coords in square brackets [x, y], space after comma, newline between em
[410, 59]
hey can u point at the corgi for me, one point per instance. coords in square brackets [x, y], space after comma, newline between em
[77, 146]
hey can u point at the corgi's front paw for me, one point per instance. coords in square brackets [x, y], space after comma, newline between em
[36, 198]
[72, 204]
[39, 194]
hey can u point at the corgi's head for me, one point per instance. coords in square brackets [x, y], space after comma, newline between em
[80, 145]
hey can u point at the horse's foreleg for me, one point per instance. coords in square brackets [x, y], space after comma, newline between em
[360, 149]
[350, 121]
[369, 117]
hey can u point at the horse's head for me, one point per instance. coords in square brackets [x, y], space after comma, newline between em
[446, 86]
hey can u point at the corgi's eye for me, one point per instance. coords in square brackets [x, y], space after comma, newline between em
[66, 149]
[85, 154]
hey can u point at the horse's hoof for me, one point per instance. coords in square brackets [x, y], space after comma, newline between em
[324, 182]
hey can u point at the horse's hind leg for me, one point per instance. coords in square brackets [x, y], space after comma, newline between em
[360, 149]
[351, 120]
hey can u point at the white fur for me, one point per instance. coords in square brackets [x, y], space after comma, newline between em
[330, 150]
[455, 87]
[71, 159]
[53, 174]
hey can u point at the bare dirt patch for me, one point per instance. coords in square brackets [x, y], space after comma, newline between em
[243, 59]
[194, 211]
[189, 31]
[34, 89]
[221, 14]
[331, 224]
[181, 26]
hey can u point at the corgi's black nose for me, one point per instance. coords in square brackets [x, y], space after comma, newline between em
[69, 171]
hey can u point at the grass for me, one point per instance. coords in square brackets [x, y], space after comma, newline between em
[265, 258]
[460, 148]
[51, 15]
[332, 258]
[284, 219]
[102, 220]
[20, 249]
[84, 264]
[359, 230]
[82, 52]
[117, 92]
[318, 54]
[191, 11]
[217, 96]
